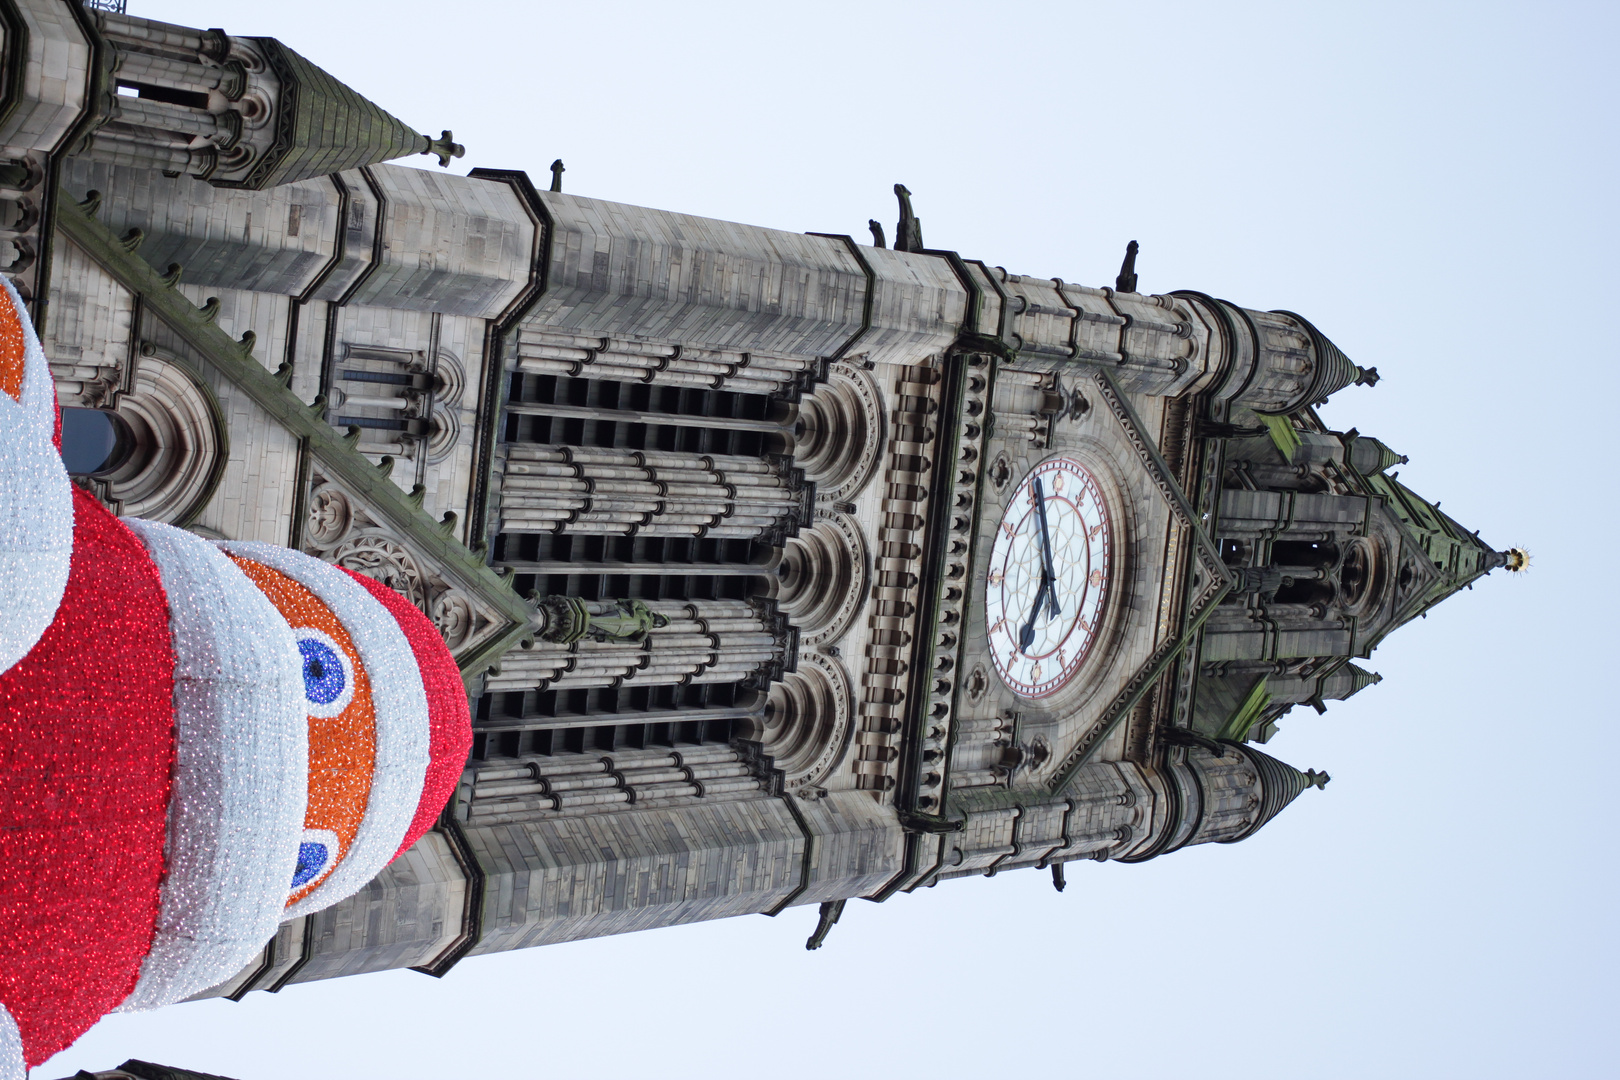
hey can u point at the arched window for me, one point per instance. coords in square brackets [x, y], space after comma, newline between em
[95, 442]
[158, 452]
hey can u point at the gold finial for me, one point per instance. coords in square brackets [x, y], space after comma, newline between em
[1518, 559]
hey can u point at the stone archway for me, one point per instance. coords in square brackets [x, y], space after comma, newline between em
[178, 445]
[838, 437]
[805, 725]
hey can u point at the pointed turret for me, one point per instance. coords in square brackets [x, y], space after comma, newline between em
[1442, 558]
[1276, 362]
[1279, 784]
[1347, 682]
[323, 127]
[1333, 371]
[1368, 456]
[237, 112]
[1222, 792]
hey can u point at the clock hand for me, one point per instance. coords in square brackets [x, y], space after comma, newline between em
[1026, 635]
[1046, 552]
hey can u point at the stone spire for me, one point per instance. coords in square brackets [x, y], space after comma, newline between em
[1279, 784]
[1367, 455]
[323, 127]
[1349, 681]
[237, 112]
[1334, 371]
[1221, 792]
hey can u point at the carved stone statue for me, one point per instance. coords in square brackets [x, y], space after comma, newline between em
[1126, 281]
[908, 231]
[567, 619]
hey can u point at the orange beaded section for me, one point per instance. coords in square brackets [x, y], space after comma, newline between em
[13, 348]
[342, 748]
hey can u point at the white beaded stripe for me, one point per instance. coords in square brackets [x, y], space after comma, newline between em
[36, 534]
[241, 770]
[402, 718]
[12, 1065]
[36, 503]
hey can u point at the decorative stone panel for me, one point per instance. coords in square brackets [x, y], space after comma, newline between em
[339, 528]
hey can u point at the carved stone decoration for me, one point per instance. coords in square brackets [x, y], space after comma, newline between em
[1000, 471]
[839, 435]
[824, 577]
[977, 683]
[454, 617]
[444, 424]
[366, 546]
[546, 488]
[385, 560]
[1209, 581]
[449, 379]
[330, 517]
[23, 180]
[444, 432]
[805, 726]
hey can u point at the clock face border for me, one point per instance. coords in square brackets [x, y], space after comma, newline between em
[1081, 526]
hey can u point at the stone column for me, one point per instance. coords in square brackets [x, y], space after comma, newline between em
[547, 352]
[585, 644]
[564, 785]
[587, 490]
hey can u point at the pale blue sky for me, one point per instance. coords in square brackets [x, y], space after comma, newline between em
[1432, 185]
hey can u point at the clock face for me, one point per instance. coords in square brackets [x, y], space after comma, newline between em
[1048, 577]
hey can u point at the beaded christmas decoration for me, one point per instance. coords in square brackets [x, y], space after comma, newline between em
[196, 741]
[335, 695]
[449, 720]
[367, 710]
[242, 747]
[87, 742]
[36, 508]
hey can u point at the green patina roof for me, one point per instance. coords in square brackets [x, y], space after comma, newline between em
[1283, 434]
[1458, 556]
[323, 126]
[1237, 726]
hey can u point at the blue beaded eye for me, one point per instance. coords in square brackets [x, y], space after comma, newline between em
[316, 854]
[328, 676]
[323, 671]
[312, 859]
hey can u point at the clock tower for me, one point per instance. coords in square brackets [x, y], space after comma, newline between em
[1168, 551]
[781, 569]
